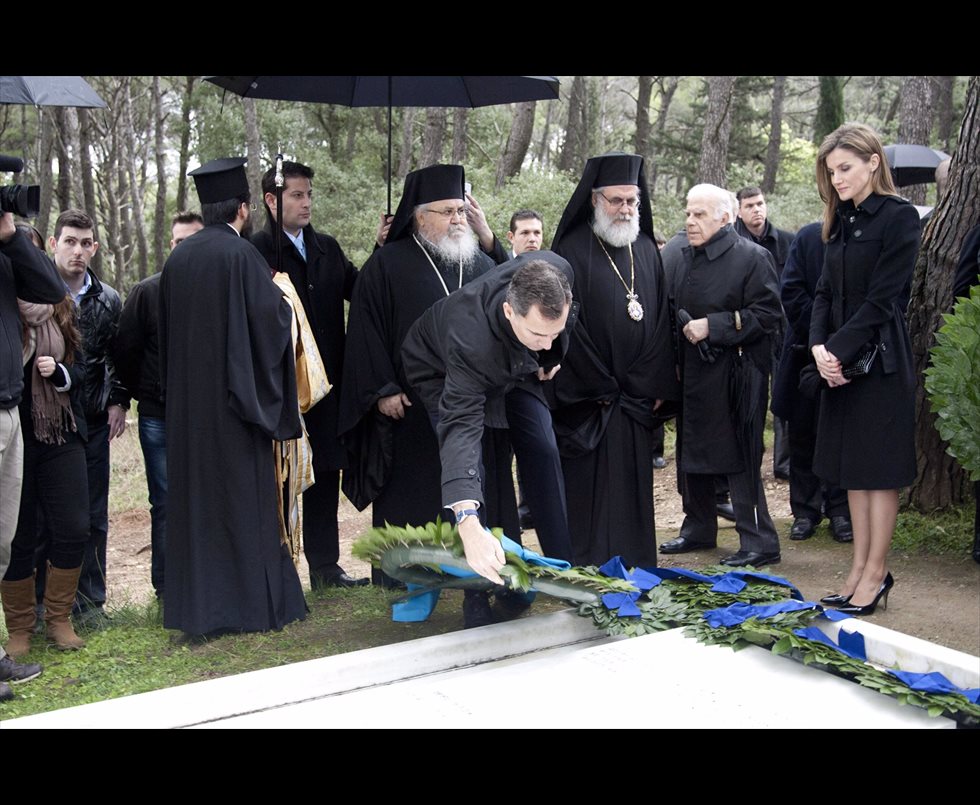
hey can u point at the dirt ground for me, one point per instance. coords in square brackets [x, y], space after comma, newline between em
[936, 598]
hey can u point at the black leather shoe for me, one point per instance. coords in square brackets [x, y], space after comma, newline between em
[527, 521]
[341, 579]
[841, 528]
[684, 545]
[751, 558]
[476, 609]
[508, 605]
[803, 528]
[835, 600]
[659, 462]
[725, 511]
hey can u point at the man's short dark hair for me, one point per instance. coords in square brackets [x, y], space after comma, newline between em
[748, 192]
[186, 217]
[524, 215]
[290, 170]
[539, 283]
[223, 212]
[76, 219]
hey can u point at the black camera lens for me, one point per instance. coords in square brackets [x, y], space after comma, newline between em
[21, 199]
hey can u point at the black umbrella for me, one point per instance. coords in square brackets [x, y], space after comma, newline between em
[393, 90]
[49, 90]
[913, 164]
[748, 393]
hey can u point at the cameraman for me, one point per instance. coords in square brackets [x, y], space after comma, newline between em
[27, 273]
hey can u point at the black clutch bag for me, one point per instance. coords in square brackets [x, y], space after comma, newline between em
[862, 364]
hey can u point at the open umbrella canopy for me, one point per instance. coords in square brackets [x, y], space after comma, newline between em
[49, 90]
[913, 164]
[395, 90]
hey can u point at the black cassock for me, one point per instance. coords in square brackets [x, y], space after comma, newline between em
[615, 369]
[395, 464]
[230, 384]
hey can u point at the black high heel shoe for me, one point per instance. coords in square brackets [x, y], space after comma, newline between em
[835, 600]
[868, 609]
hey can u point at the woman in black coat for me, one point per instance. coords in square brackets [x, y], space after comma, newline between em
[866, 429]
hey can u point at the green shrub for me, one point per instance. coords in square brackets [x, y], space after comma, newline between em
[953, 382]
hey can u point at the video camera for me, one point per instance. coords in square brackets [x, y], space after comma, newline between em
[22, 200]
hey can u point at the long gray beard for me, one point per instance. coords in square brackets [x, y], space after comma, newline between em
[615, 230]
[451, 251]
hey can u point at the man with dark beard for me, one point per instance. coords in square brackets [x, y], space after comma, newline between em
[429, 253]
[226, 360]
[620, 366]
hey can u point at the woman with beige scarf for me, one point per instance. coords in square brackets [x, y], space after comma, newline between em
[55, 479]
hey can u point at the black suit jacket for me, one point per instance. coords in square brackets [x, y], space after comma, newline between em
[462, 357]
[323, 281]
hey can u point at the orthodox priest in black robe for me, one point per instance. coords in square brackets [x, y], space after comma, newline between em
[230, 385]
[429, 253]
[618, 380]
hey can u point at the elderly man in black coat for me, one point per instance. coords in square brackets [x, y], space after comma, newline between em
[323, 278]
[505, 330]
[729, 289]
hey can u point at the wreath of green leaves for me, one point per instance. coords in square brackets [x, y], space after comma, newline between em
[671, 604]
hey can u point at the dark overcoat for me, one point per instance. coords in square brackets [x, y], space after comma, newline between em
[865, 436]
[728, 274]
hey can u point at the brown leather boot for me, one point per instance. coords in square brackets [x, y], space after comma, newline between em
[59, 595]
[18, 609]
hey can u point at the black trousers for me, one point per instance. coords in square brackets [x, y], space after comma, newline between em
[55, 493]
[810, 497]
[701, 520]
[321, 534]
[543, 484]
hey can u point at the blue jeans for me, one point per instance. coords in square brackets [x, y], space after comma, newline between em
[153, 440]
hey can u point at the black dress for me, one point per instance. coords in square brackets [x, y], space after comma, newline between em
[865, 436]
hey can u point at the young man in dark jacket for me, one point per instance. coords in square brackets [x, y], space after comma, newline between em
[104, 398]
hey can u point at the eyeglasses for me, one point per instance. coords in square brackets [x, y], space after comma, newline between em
[618, 202]
[450, 214]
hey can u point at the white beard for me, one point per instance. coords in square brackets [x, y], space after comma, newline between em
[616, 230]
[456, 246]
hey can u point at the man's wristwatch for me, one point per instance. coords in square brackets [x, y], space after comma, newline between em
[462, 515]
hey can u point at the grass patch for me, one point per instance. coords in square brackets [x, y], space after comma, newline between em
[943, 532]
[135, 654]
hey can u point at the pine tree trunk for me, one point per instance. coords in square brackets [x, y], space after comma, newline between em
[915, 116]
[185, 142]
[253, 145]
[717, 130]
[572, 154]
[64, 160]
[433, 136]
[44, 173]
[460, 126]
[940, 480]
[518, 141]
[775, 135]
[138, 233]
[668, 86]
[160, 210]
[408, 138]
[89, 197]
[544, 144]
[943, 101]
[641, 137]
